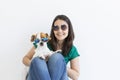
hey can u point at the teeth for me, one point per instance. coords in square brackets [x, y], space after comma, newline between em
[59, 35]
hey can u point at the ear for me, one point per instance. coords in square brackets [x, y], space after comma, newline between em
[33, 37]
[46, 34]
[49, 38]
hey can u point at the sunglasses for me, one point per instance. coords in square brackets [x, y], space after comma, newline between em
[63, 27]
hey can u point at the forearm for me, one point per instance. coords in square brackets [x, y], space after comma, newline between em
[27, 58]
[74, 75]
[26, 61]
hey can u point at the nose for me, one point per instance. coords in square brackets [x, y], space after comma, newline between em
[59, 30]
[41, 44]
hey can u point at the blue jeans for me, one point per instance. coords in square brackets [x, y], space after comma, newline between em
[53, 69]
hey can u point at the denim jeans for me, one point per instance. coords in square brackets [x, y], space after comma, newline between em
[53, 69]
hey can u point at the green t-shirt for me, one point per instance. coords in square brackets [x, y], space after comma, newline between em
[73, 53]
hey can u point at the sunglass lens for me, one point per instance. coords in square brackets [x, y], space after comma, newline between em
[55, 28]
[63, 27]
[37, 40]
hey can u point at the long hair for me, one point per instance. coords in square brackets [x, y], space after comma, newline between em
[68, 42]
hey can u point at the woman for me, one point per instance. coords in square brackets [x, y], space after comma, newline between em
[62, 36]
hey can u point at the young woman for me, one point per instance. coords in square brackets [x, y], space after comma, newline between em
[62, 36]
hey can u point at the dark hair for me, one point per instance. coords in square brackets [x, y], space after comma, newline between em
[68, 42]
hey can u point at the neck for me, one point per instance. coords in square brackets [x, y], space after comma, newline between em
[59, 44]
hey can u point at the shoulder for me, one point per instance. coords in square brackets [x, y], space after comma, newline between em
[73, 50]
[73, 53]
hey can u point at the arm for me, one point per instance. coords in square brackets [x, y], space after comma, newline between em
[74, 70]
[27, 58]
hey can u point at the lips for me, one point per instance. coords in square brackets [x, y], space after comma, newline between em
[60, 34]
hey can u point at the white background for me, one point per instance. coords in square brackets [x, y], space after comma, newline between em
[96, 25]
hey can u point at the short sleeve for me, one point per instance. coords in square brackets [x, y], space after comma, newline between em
[73, 53]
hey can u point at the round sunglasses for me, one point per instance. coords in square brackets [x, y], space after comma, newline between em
[63, 27]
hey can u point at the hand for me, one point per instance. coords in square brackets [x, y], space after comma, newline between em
[46, 57]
